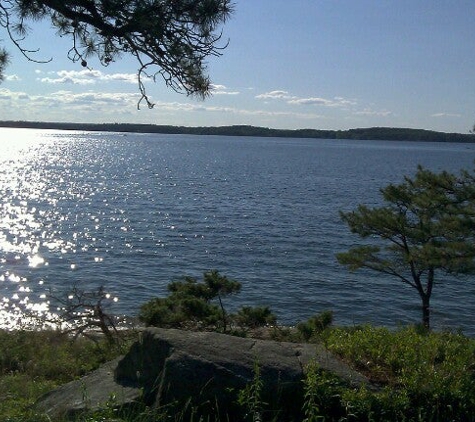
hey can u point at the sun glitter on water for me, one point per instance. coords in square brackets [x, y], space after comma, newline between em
[30, 224]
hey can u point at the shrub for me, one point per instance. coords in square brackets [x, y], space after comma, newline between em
[191, 304]
[429, 376]
[315, 325]
[254, 317]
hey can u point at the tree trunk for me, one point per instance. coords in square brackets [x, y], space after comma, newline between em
[426, 298]
[223, 313]
[426, 312]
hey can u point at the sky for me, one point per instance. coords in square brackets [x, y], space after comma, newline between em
[321, 64]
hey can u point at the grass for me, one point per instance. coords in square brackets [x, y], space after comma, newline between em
[420, 376]
[34, 362]
[424, 376]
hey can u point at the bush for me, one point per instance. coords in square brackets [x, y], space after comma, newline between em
[254, 317]
[191, 304]
[315, 325]
[180, 312]
[199, 305]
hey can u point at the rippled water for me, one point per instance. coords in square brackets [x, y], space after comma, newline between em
[134, 212]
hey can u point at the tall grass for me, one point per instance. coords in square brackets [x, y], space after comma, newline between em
[34, 362]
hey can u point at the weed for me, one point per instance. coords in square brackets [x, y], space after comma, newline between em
[250, 398]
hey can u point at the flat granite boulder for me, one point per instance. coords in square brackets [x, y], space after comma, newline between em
[176, 367]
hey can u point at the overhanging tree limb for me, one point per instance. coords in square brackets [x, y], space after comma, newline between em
[168, 38]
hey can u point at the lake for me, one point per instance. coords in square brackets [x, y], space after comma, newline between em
[132, 212]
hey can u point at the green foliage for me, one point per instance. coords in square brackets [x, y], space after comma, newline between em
[311, 396]
[3, 62]
[420, 376]
[426, 376]
[321, 394]
[315, 325]
[34, 362]
[197, 305]
[426, 227]
[250, 398]
[254, 317]
[49, 355]
[184, 312]
[190, 303]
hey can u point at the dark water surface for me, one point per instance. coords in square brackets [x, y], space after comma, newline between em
[135, 212]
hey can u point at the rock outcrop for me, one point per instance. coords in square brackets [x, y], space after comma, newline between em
[199, 368]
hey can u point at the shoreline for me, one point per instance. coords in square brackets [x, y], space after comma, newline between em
[367, 134]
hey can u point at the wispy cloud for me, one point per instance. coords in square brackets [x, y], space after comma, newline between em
[85, 77]
[103, 106]
[275, 95]
[67, 100]
[309, 101]
[93, 99]
[371, 112]
[446, 115]
[336, 102]
[193, 107]
[222, 90]
[12, 78]
[8, 95]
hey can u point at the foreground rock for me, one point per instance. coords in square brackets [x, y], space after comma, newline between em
[172, 366]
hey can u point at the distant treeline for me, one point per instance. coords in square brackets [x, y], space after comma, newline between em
[373, 133]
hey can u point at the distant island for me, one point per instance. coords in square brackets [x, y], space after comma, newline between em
[372, 133]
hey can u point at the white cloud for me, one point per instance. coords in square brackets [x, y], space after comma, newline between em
[446, 115]
[86, 77]
[12, 78]
[222, 90]
[80, 74]
[310, 101]
[122, 77]
[67, 79]
[218, 87]
[279, 95]
[190, 107]
[336, 102]
[8, 95]
[370, 112]
[91, 98]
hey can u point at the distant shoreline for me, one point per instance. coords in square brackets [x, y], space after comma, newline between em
[369, 134]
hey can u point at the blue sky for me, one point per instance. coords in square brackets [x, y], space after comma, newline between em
[323, 64]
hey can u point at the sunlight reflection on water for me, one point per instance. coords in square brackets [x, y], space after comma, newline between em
[134, 213]
[32, 186]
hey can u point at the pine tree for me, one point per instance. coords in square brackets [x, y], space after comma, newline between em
[426, 227]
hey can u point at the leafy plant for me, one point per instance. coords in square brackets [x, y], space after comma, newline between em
[315, 325]
[428, 376]
[250, 398]
[311, 394]
[254, 317]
